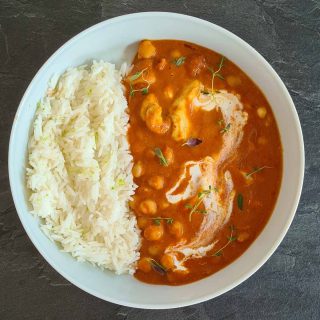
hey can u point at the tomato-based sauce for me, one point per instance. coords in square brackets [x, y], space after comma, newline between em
[178, 95]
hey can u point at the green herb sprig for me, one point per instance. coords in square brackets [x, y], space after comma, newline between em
[201, 195]
[136, 76]
[231, 239]
[213, 75]
[217, 72]
[256, 170]
[157, 220]
[191, 207]
[162, 159]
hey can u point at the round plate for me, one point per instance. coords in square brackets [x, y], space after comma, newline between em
[116, 40]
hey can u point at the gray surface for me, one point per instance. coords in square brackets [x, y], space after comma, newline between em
[287, 33]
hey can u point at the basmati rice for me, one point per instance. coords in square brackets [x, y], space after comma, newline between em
[79, 169]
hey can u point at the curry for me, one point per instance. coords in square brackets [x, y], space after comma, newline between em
[207, 160]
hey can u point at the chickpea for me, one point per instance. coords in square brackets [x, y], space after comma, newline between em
[175, 54]
[146, 50]
[156, 182]
[168, 154]
[154, 250]
[153, 232]
[176, 229]
[261, 112]
[142, 222]
[138, 169]
[243, 236]
[233, 81]
[164, 204]
[167, 261]
[144, 265]
[148, 206]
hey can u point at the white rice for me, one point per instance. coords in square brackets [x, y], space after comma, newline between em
[79, 168]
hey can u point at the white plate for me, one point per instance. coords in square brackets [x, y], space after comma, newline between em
[116, 40]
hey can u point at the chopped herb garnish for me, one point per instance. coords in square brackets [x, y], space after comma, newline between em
[157, 220]
[240, 201]
[156, 266]
[194, 208]
[256, 170]
[231, 239]
[192, 142]
[136, 76]
[226, 128]
[119, 183]
[179, 61]
[162, 159]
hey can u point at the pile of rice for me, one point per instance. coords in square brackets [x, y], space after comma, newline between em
[79, 168]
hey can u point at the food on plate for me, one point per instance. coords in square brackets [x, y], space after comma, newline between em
[168, 169]
[207, 160]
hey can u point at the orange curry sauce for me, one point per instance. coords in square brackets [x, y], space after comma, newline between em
[170, 65]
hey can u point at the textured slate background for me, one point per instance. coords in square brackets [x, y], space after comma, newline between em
[287, 33]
